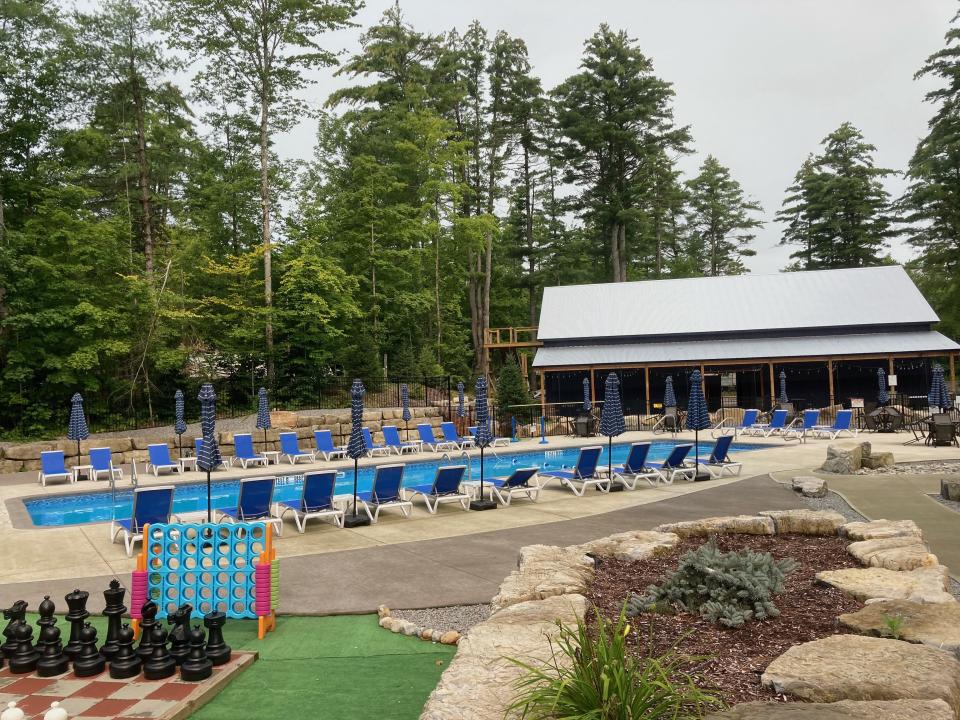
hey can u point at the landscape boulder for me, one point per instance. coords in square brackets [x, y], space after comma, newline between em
[805, 522]
[897, 553]
[844, 459]
[630, 546]
[925, 584]
[950, 489]
[543, 571]
[742, 524]
[810, 486]
[876, 529]
[842, 710]
[877, 460]
[933, 624]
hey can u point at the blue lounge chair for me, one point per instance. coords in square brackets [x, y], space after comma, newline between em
[842, 424]
[159, 454]
[371, 447]
[391, 438]
[53, 466]
[445, 488]
[428, 440]
[386, 492]
[518, 483]
[451, 436]
[798, 429]
[676, 464]
[253, 504]
[244, 453]
[778, 421]
[316, 500]
[225, 462]
[719, 462]
[101, 460]
[150, 505]
[636, 468]
[325, 446]
[494, 441]
[583, 474]
[748, 421]
[290, 448]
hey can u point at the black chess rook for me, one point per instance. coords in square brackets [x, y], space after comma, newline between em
[88, 660]
[217, 649]
[196, 666]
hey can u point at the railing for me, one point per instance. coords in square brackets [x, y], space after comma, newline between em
[511, 337]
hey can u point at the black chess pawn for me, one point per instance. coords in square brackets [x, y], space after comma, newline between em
[160, 665]
[196, 666]
[14, 615]
[180, 633]
[148, 621]
[24, 660]
[52, 660]
[88, 661]
[114, 610]
[76, 615]
[125, 663]
[46, 610]
[217, 650]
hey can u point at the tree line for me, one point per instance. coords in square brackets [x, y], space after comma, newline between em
[150, 234]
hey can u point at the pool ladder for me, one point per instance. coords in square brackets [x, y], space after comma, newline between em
[463, 454]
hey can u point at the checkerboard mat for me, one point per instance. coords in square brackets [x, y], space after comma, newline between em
[102, 697]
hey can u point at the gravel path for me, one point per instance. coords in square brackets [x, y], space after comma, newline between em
[832, 501]
[952, 504]
[924, 467]
[454, 617]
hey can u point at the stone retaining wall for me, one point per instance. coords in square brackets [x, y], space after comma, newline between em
[26, 456]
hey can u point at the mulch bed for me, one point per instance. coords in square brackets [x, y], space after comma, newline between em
[737, 656]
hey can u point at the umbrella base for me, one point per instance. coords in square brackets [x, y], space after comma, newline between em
[701, 476]
[615, 487]
[352, 521]
[483, 505]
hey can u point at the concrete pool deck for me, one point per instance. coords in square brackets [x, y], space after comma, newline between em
[347, 570]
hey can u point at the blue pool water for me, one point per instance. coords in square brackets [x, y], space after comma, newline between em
[94, 507]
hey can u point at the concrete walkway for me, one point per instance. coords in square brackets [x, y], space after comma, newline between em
[451, 571]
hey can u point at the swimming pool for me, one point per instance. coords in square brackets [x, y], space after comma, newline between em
[92, 507]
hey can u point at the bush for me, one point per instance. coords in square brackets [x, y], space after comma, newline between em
[593, 676]
[726, 588]
[510, 388]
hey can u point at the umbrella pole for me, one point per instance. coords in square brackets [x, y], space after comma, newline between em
[353, 520]
[209, 513]
[356, 470]
[180, 444]
[480, 503]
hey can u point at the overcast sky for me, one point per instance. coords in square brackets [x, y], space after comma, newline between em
[760, 82]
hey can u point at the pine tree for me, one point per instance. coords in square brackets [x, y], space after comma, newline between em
[510, 388]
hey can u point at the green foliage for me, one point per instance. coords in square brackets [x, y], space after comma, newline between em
[593, 675]
[726, 588]
[893, 624]
[510, 388]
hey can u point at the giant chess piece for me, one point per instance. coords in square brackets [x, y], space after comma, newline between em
[125, 663]
[148, 621]
[56, 712]
[196, 666]
[14, 615]
[217, 650]
[46, 610]
[160, 665]
[88, 661]
[114, 611]
[12, 712]
[76, 615]
[24, 660]
[52, 660]
[180, 634]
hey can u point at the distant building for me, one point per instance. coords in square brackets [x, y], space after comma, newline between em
[828, 330]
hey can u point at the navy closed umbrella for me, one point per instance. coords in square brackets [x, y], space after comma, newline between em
[356, 448]
[179, 423]
[587, 404]
[783, 388]
[263, 414]
[883, 397]
[77, 427]
[461, 412]
[611, 417]
[209, 456]
[697, 416]
[939, 396]
[482, 439]
[669, 398]
[405, 401]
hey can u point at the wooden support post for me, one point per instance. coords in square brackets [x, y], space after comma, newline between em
[543, 394]
[773, 387]
[890, 366]
[830, 380]
[593, 390]
[646, 382]
[953, 373]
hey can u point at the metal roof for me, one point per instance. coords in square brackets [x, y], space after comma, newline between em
[734, 303]
[882, 343]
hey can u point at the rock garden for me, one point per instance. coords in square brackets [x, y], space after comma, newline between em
[786, 614]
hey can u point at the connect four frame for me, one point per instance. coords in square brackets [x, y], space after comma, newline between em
[227, 567]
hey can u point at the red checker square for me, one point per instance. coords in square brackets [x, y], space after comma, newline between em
[98, 689]
[108, 708]
[27, 686]
[173, 691]
[37, 704]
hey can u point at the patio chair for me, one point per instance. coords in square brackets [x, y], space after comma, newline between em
[798, 429]
[522, 481]
[391, 439]
[101, 460]
[244, 453]
[676, 464]
[225, 462]
[778, 421]
[428, 440]
[53, 466]
[150, 505]
[325, 446]
[635, 467]
[451, 435]
[386, 492]
[723, 428]
[253, 504]
[919, 429]
[445, 488]
[315, 501]
[290, 448]
[494, 441]
[583, 474]
[159, 459]
[942, 430]
[372, 447]
[669, 423]
[719, 462]
[842, 424]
